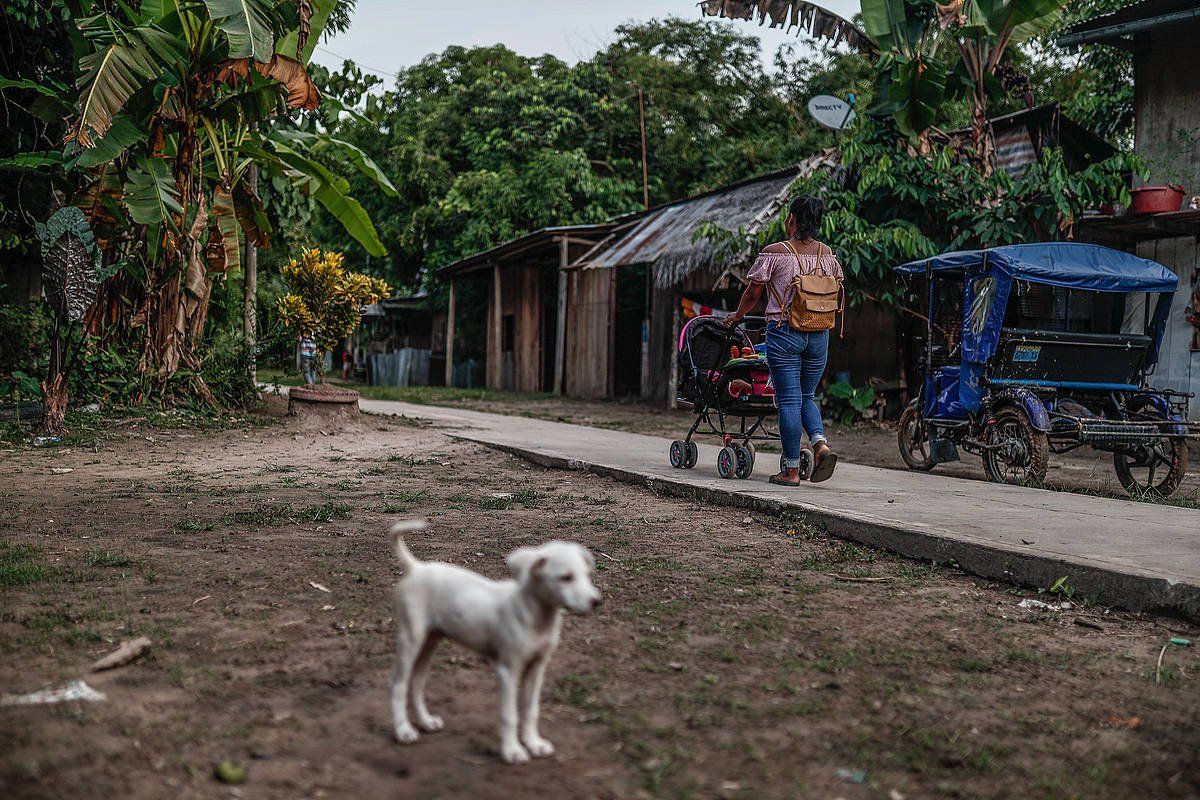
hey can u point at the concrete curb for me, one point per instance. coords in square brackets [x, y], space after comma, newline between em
[1108, 587]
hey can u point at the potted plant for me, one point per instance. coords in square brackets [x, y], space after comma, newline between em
[1172, 163]
[324, 305]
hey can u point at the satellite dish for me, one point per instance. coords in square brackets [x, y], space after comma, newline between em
[832, 112]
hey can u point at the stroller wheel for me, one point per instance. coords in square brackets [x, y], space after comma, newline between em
[693, 455]
[745, 461]
[727, 461]
[679, 454]
[806, 463]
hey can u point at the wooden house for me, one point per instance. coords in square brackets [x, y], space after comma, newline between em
[1162, 36]
[629, 296]
[505, 310]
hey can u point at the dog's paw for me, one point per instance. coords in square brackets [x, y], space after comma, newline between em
[431, 723]
[406, 734]
[539, 747]
[514, 754]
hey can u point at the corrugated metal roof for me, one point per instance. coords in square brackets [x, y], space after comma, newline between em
[1115, 27]
[664, 236]
[503, 250]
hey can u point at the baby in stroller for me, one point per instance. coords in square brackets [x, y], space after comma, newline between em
[723, 375]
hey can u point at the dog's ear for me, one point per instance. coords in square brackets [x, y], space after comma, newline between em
[588, 557]
[525, 561]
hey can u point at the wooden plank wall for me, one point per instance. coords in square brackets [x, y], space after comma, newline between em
[589, 307]
[520, 296]
[1178, 364]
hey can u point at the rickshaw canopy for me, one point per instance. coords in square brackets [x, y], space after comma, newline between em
[1069, 264]
[988, 276]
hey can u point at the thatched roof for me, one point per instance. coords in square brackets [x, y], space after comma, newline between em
[663, 236]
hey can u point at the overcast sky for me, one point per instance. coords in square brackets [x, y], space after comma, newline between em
[387, 35]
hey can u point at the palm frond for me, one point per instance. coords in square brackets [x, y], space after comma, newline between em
[810, 18]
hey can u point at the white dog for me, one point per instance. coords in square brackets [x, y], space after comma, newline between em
[514, 623]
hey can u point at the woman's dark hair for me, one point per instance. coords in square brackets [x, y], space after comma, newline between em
[807, 211]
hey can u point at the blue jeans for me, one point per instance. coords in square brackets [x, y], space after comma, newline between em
[797, 362]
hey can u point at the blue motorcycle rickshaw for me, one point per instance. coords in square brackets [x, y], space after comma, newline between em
[1034, 349]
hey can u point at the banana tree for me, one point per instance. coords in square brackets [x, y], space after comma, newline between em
[176, 99]
[913, 42]
[983, 30]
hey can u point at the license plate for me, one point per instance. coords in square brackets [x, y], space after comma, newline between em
[1026, 353]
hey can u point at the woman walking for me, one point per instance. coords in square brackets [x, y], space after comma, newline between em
[797, 339]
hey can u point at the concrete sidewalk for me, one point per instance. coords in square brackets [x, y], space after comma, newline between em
[1139, 556]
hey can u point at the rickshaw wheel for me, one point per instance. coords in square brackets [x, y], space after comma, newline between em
[1018, 453]
[914, 439]
[1136, 470]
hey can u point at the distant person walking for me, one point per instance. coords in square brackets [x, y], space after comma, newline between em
[308, 358]
[798, 322]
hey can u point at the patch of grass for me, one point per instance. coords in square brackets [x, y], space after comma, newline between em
[837, 555]
[189, 525]
[287, 514]
[578, 690]
[20, 565]
[444, 395]
[527, 498]
[923, 750]
[107, 558]
[399, 502]
[68, 625]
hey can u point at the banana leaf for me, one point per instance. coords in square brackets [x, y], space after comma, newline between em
[123, 133]
[247, 25]
[110, 77]
[150, 193]
[226, 217]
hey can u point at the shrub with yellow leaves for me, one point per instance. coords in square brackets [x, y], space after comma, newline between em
[324, 298]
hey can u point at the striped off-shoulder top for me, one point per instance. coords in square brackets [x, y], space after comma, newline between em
[778, 269]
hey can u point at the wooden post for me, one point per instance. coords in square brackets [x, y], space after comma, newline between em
[560, 321]
[250, 293]
[495, 358]
[450, 338]
[673, 385]
[612, 334]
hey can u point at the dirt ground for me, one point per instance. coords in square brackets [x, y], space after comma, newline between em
[1082, 470]
[736, 656]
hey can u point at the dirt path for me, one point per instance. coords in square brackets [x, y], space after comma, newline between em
[735, 656]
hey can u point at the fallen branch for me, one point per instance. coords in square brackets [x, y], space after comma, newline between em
[1158, 666]
[1087, 623]
[852, 579]
[126, 653]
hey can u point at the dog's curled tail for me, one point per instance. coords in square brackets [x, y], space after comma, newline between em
[398, 530]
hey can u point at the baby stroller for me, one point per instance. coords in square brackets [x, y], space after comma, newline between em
[723, 375]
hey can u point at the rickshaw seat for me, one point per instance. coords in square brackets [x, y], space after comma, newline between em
[1100, 361]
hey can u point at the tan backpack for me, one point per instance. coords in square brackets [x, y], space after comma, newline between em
[816, 299]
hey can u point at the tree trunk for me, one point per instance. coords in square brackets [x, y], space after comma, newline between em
[175, 315]
[54, 406]
[981, 135]
[250, 297]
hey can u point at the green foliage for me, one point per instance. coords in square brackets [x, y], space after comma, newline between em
[848, 404]
[24, 338]
[1095, 84]
[483, 144]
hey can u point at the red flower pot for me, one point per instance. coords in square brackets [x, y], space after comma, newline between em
[1156, 199]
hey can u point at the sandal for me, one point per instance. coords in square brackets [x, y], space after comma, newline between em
[776, 480]
[823, 470]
